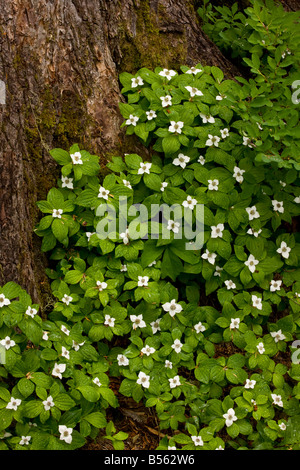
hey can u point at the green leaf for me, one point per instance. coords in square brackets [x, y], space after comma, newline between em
[96, 419]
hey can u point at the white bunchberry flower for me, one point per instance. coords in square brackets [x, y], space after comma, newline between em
[175, 381]
[155, 326]
[168, 74]
[45, 335]
[109, 321]
[260, 348]
[7, 342]
[67, 299]
[172, 307]
[123, 268]
[193, 91]
[283, 184]
[97, 382]
[172, 448]
[57, 213]
[25, 440]
[247, 141]
[67, 182]
[143, 281]
[207, 118]
[199, 328]
[181, 160]
[13, 404]
[250, 383]
[218, 271]
[103, 193]
[251, 263]
[256, 302]
[201, 160]
[48, 403]
[76, 158]
[235, 323]
[275, 285]
[89, 234]
[101, 285]
[219, 448]
[254, 232]
[197, 440]
[238, 174]
[224, 133]
[137, 81]
[76, 345]
[230, 284]
[132, 120]
[282, 426]
[125, 236]
[194, 71]
[297, 200]
[229, 417]
[177, 345]
[220, 97]
[137, 321]
[284, 250]
[278, 206]
[31, 312]
[213, 185]
[144, 168]
[58, 370]
[152, 264]
[277, 399]
[148, 350]
[3, 300]
[122, 360]
[176, 126]
[143, 379]
[173, 226]
[190, 202]
[166, 101]
[65, 353]
[168, 364]
[163, 185]
[217, 231]
[65, 433]
[278, 336]
[212, 140]
[252, 212]
[211, 257]
[151, 115]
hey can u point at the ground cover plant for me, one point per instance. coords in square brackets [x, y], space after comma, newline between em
[207, 336]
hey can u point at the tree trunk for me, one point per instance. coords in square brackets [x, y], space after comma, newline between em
[60, 61]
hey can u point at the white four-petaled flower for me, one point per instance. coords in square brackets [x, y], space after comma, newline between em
[67, 182]
[144, 168]
[172, 307]
[3, 300]
[275, 285]
[235, 323]
[278, 206]
[103, 193]
[166, 101]
[213, 185]
[122, 360]
[207, 118]
[260, 347]
[278, 336]
[193, 91]
[168, 74]
[31, 312]
[143, 379]
[13, 404]
[229, 417]
[250, 383]
[175, 381]
[176, 126]
[177, 345]
[143, 281]
[148, 350]
[7, 342]
[58, 370]
[251, 263]
[181, 160]
[132, 120]
[213, 140]
[137, 321]
[67, 299]
[277, 399]
[76, 158]
[48, 403]
[190, 202]
[252, 212]
[217, 231]
[229, 284]
[137, 81]
[151, 115]
[57, 213]
[256, 302]
[284, 250]
[65, 433]
[238, 174]
[109, 321]
[199, 328]
[173, 226]
[211, 257]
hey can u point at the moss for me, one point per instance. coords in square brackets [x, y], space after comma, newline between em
[151, 47]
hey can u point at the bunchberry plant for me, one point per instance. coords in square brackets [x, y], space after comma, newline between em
[205, 336]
